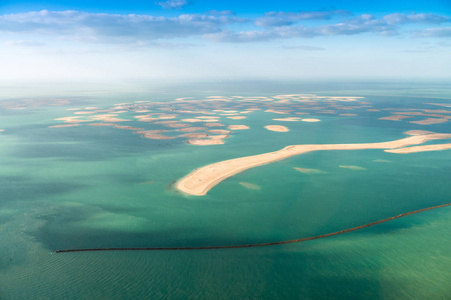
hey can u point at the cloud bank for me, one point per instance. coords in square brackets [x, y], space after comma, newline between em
[214, 25]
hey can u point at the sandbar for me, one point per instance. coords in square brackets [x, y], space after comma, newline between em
[395, 118]
[213, 124]
[278, 128]
[288, 119]
[309, 171]
[429, 121]
[194, 135]
[311, 120]
[355, 168]
[190, 129]
[218, 131]
[62, 125]
[250, 186]
[238, 127]
[205, 142]
[201, 180]
[127, 127]
[420, 148]
[156, 136]
[418, 132]
[237, 117]
[102, 124]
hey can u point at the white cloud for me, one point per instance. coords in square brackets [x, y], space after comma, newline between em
[434, 32]
[173, 4]
[304, 47]
[130, 29]
[113, 27]
[289, 18]
[24, 43]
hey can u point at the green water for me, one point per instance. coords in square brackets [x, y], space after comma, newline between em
[93, 187]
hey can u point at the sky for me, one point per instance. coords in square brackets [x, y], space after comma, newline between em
[224, 40]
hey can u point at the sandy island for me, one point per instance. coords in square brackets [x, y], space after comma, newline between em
[201, 180]
[238, 127]
[420, 148]
[278, 128]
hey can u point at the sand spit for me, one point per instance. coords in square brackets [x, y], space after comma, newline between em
[156, 136]
[190, 129]
[395, 118]
[277, 111]
[127, 127]
[430, 121]
[205, 142]
[238, 127]
[354, 168]
[218, 131]
[201, 180]
[250, 186]
[192, 120]
[381, 161]
[177, 125]
[309, 171]
[102, 124]
[60, 126]
[278, 128]
[418, 132]
[288, 119]
[2, 130]
[214, 124]
[311, 120]
[194, 135]
[420, 148]
[237, 117]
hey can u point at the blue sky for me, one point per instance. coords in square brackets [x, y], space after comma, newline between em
[184, 39]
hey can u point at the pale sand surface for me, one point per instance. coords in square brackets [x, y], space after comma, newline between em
[190, 129]
[237, 117]
[127, 127]
[355, 168]
[420, 148]
[277, 111]
[156, 136]
[102, 124]
[394, 118]
[381, 161]
[310, 120]
[205, 142]
[278, 128]
[191, 120]
[418, 132]
[309, 171]
[221, 136]
[218, 131]
[165, 122]
[147, 119]
[194, 135]
[201, 180]
[177, 125]
[429, 121]
[213, 124]
[83, 112]
[238, 127]
[63, 125]
[348, 115]
[250, 186]
[2, 130]
[288, 119]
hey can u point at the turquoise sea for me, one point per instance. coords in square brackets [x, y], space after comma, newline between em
[102, 187]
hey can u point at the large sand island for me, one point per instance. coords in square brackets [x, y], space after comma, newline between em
[201, 180]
